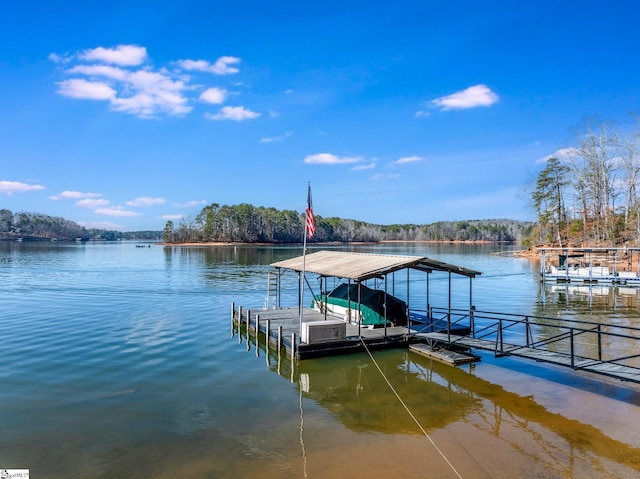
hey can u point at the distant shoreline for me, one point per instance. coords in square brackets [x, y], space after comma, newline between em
[237, 243]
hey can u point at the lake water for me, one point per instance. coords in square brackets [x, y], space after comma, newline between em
[120, 361]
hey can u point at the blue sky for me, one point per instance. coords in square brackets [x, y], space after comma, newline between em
[126, 114]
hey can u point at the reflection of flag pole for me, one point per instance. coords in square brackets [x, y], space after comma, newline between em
[309, 229]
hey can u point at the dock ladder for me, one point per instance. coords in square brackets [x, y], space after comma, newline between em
[271, 300]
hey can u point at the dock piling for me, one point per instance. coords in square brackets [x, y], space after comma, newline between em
[268, 333]
[257, 334]
[293, 346]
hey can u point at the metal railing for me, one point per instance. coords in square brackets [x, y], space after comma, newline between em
[579, 340]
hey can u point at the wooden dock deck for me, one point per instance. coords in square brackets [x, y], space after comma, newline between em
[282, 327]
[618, 371]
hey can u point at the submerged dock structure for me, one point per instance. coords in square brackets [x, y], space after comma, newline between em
[443, 333]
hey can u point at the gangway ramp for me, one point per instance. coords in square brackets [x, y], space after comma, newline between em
[607, 368]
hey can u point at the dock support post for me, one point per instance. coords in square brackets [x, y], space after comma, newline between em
[268, 332]
[293, 347]
[233, 310]
[279, 338]
[572, 350]
[257, 334]
[472, 321]
[239, 317]
[449, 313]
[248, 322]
[599, 343]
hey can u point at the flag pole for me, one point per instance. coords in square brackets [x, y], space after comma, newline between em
[309, 229]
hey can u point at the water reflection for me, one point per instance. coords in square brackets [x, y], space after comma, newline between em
[440, 396]
[606, 298]
[236, 255]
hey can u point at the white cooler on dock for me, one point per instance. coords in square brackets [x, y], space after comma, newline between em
[324, 331]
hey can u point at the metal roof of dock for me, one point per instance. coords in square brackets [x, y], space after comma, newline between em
[363, 266]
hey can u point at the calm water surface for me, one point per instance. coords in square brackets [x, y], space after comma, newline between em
[120, 361]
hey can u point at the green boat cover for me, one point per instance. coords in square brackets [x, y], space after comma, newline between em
[371, 304]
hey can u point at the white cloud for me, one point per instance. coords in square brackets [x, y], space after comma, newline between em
[235, 113]
[330, 159]
[190, 204]
[220, 67]
[55, 58]
[407, 159]
[370, 166]
[172, 217]
[122, 76]
[422, 114]
[116, 211]
[474, 96]
[92, 203]
[563, 154]
[156, 92]
[146, 201]
[125, 55]
[87, 90]
[74, 195]
[8, 187]
[107, 71]
[214, 95]
[275, 139]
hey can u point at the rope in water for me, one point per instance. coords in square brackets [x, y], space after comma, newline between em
[304, 452]
[409, 411]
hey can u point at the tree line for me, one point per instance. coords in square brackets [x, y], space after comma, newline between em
[245, 223]
[38, 226]
[590, 195]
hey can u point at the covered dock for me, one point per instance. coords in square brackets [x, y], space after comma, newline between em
[307, 332]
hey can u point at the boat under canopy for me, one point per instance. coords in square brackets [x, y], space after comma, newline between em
[368, 303]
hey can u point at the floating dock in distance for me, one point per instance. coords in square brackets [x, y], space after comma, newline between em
[617, 266]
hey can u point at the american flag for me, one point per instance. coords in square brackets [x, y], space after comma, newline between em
[310, 227]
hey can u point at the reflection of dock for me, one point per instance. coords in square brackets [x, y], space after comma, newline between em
[358, 397]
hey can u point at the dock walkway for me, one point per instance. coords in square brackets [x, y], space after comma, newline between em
[618, 371]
